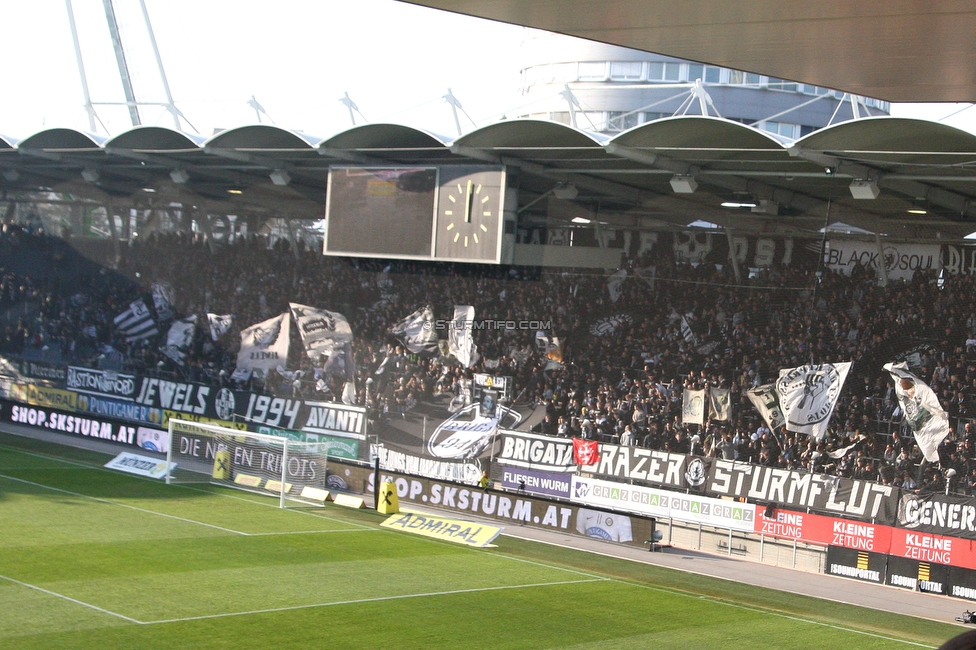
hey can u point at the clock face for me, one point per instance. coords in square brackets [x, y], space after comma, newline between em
[469, 213]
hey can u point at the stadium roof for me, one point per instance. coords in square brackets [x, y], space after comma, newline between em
[924, 173]
[899, 50]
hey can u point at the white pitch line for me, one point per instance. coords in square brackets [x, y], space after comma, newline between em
[315, 532]
[124, 505]
[372, 600]
[72, 600]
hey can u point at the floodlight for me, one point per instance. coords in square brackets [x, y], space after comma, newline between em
[867, 190]
[179, 176]
[565, 191]
[683, 184]
[280, 177]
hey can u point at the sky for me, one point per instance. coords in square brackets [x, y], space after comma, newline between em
[297, 58]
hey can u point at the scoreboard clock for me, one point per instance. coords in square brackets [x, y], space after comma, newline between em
[446, 213]
[470, 201]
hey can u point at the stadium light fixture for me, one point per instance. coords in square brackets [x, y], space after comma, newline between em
[736, 204]
[683, 184]
[280, 177]
[180, 176]
[90, 175]
[864, 190]
[565, 191]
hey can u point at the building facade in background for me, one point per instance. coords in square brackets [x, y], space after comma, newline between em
[608, 89]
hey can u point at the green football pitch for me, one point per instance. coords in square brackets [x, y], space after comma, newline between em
[91, 558]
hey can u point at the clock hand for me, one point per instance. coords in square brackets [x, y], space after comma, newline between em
[468, 198]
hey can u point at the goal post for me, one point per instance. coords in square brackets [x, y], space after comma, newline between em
[292, 470]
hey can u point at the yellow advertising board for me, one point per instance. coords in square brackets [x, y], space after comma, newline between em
[54, 398]
[451, 530]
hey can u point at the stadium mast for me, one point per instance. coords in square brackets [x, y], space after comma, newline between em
[131, 102]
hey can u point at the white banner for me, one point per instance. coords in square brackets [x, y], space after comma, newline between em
[719, 405]
[693, 407]
[141, 465]
[264, 346]
[322, 331]
[900, 260]
[624, 497]
[460, 342]
[924, 414]
[808, 395]
[417, 331]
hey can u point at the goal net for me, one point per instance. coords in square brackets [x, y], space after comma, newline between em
[292, 470]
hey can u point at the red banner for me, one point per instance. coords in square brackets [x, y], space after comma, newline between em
[937, 549]
[829, 531]
[585, 452]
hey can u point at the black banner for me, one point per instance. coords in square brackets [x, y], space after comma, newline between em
[790, 488]
[962, 583]
[861, 565]
[918, 576]
[938, 513]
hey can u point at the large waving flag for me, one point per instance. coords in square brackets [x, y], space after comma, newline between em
[417, 331]
[322, 331]
[924, 414]
[808, 395]
[264, 346]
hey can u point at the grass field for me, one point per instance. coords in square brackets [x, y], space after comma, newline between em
[96, 559]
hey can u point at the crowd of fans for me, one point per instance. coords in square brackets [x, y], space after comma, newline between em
[684, 326]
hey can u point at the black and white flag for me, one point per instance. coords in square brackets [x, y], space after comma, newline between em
[219, 324]
[926, 417]
[693, 407]
[718, 404]
[136, 322]
[417, 332]
[179, 338]
[264, 345]
[615, 284]
[164, 300]
[460, 342]
[322, 331]
[687, 333]
[808, 395]
[766, 401]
